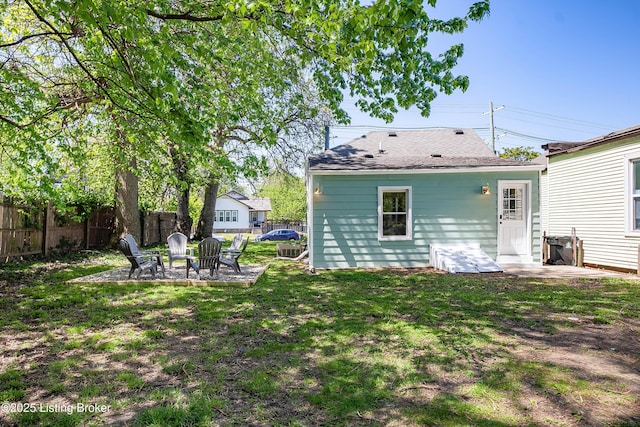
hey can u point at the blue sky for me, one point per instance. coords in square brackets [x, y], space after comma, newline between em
[563, 70]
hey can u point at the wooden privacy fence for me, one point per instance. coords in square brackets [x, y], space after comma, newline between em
[25, 230]
[156, 227]
[20, 230]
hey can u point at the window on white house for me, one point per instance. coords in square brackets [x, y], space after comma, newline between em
[226, 216]
[394, 213]
[635, 194]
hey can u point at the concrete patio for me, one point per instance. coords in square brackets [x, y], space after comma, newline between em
[563, 271]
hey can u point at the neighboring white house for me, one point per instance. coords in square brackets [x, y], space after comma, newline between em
[594, 187]
[237, 213]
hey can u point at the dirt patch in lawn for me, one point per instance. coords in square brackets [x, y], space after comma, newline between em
[393, 348]
[605, 356]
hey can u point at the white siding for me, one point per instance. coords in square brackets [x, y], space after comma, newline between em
[587, 191]
[229, 204]
[544, 201]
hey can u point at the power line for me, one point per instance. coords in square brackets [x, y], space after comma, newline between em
[526, 136]
[539, 119]
[560, 118]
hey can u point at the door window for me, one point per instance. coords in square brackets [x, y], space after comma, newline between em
[512, 206]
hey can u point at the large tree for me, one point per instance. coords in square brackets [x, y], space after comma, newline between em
[169, 73]
[287, 194]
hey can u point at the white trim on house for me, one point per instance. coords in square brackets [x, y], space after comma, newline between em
[526, 257]
[533, 167]
[629, 196]
[310, 226]
[409, 230]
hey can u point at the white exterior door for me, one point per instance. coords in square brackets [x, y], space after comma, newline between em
[514, 242]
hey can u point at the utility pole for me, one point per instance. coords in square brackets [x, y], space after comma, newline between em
[491, 126]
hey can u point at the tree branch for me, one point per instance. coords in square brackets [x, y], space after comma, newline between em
[25, 38]
[186, 16]
[97, 81]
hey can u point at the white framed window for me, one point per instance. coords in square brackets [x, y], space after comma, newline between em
[394, 213]
[633, 195]
[226, 216]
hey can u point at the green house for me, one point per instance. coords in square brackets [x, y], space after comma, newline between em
[388, 198]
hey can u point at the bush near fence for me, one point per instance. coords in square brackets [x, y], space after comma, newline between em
[26, 230]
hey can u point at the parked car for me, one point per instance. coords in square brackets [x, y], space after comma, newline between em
[279, 234]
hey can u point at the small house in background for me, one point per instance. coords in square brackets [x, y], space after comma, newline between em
[237, 213]
[388, 199]
[593, 187]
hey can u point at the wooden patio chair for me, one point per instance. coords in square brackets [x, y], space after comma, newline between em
[138, 261]
[178, 248]
[145, 253]
[208, 257]
[235, 244]
[231, 258]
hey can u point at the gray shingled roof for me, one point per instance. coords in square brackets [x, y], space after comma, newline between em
[256, 204]
[415, 149]
[260, 204]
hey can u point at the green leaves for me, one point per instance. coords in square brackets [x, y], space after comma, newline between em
[174, 77]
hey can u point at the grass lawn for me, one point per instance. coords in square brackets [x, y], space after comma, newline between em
[372, 347]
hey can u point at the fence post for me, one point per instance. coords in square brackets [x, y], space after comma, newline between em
[143, 229]
[86, 232]
[574, 247]
[45, 229]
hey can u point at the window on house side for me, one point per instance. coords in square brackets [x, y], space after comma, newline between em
[394, 213]
[635, 194]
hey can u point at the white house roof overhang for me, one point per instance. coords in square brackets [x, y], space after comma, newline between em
[556, 148]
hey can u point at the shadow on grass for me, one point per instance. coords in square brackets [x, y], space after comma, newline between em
[335, 348]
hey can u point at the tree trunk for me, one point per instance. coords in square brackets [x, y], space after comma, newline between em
[181, 169]
[183, 220]
[127, 211]
[205, 222]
